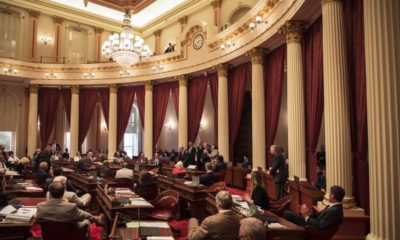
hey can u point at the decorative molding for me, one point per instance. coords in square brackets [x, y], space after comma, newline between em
[33, 88]
[216, 3]
[293, 30]
[113, 88]
[148, 86]
[183, 20]
[323, 2]
[182, 80]
[157, 33]
[257, 55]
[222, 69]
[34, 14]
[75, 89]
[58, 20]
[98, 30]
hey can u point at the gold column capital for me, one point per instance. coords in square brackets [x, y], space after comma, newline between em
[33, 88]
[257, 55]
[182, 80]
[183, 20]
[323, 2]
[113, 88]
[33, 14]
[75, 89]
[222, 69]
[157, 33]
[98, 30]
[293, 30]
[216, 3]
[58, 20]
[148, 86]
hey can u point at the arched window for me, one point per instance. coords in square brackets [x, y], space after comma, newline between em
[133, 133]
[238, 13]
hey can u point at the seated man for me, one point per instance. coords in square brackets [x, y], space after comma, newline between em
[251, 229]
[220, 165]
[223, 225]
[42, 174]
[57, 210]
[124, 173]
[330, 216]
[209, 178]
[71, 197]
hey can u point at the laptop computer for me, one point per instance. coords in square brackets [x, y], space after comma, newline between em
[254, 212]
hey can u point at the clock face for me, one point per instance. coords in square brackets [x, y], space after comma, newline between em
[198, 41]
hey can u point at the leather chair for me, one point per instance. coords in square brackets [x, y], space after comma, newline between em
[221, 175]
[63, 231]
[166, 205]
[123, 183]
[279, 207]
[216, 187]
[313, 233]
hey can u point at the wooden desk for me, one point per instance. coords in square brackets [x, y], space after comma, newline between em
[13, 188]
[294, 190]
[270, 184]
[239, 177]
[310, 196]
[16, 231]
[229, 176]
[189, 172]
[133, 233]
[291, 232]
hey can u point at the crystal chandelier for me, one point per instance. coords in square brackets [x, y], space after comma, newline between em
[126, 48]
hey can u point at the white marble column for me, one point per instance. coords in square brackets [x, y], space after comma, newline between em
[339, 168]
[382, 57]
[74, 127]
[157, 48]
[183, 112]
[258, 108]
[112, 121]
[148, 119]
[223, 111]
[32, 119]
[293, 31]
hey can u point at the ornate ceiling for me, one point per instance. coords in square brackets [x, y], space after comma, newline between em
[134, 5]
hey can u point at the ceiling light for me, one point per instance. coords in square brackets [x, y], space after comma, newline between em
[227, 45]
[125, 48]
[10, 71]
[124, 73]
[259, 21]
[51, 75]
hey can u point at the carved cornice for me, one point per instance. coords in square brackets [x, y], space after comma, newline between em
[113, 88]
[222, 69]
[182, 80]
[34, 14]
[257, 55]
[216, 3]
[148, 86]
[183, 20]
[293, 30]
[323, 2]
[58, 20]
[75, 89]
[98, 30]
[157, 33]
[33, 88]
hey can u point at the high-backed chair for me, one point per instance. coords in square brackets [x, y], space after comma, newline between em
[313, 233]
[216, 187]
[63, 231]
[165, 205]
[278, 207]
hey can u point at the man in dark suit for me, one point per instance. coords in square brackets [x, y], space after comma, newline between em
[330, 216]
[278, 170]
[209, 178]
[189, 157]
[221, 165]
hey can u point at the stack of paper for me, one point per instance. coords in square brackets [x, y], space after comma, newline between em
[34, 189]
[276, 226]
[140, 202]
[124, 193]
[136, 224]
[7, 210]
[23, 214]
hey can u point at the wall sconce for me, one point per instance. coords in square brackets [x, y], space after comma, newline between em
[259, 21]
[51, 75]
[104, 127]
[170, 125]
[124, 73]
[45, 40]
[10, 71]
[89, 75]
[203, 123]
[227, 45]
[158, 68]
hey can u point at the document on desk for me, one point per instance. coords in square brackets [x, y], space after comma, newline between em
[136, 224]
[22, 215]
[276, 226]
[7, 210]
[160, 238]
[140, 202]
[34, 189]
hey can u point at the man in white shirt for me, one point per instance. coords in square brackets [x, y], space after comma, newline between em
[71, 197]
[124, 173]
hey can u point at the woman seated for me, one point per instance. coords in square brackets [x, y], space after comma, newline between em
[178, 169]
[146, 187]
[259, 195]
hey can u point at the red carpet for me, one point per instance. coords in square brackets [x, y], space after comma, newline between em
[182, 226]
[235, 191]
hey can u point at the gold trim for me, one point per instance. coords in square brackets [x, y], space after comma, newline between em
[257, 55]
[183, 20]
[113, 88]
[98, 30]
[33, 88]
[75, 89]
[157, 33]
[293, 30]
[323, 2]
[34, 14]
[58, 20]
[148, 86]
[222, 69]
[216, 3]
[182, 80]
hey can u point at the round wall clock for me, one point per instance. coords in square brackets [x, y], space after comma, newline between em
[198, 41]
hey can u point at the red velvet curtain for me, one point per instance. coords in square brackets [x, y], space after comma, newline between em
[314, 92]
[353, 10]
[213, 80]
[125, 98]
[175, 97]
[48, 102]
[140, 102]
[66, 95]
[273, 82]
[160, 103]
[87, 104]
[196, 99]
[237, 78]
[104, 94]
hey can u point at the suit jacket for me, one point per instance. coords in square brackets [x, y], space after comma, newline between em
[219, 167]
[189, 157]
[209, 179]
[73, 198]
[221, 226]
[143, 160]
[278, 169]
[58, 211]
[330, 216]
[260, 197]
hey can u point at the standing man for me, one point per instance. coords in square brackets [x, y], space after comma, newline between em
[278, 170]
[321, 162]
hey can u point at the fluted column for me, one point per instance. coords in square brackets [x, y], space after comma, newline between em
[112, 121]
[382, 57]
[183, 21]
[32, 40]
[339, 169]
[183, 112]
[216, 4]
[157, 35]
[258, 107]
[58, 36]
[32, 119]
[148, 119]
[293, 31]
[97, 45]
[223, 111]
[74, 127]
